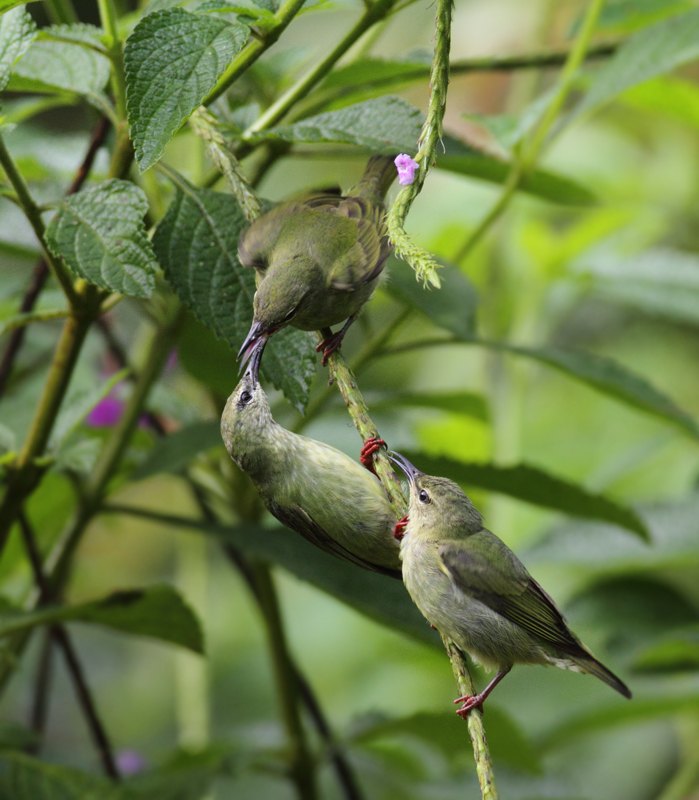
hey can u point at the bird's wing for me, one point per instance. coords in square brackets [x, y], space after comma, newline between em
[298, 520]
[365, 260]
[485, 568]
[258, 240]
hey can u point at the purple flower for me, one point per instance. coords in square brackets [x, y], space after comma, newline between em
[130, 762]
[406, 169]
[106, 413]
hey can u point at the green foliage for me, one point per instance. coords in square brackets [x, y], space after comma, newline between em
[17, 30]
[100, 235]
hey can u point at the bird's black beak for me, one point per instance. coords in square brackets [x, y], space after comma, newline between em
[254, 335]
[253, 358]
[411, 472]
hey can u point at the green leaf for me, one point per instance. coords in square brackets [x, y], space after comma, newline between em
[452, 307]
[506, 741]
[25, 778]
[651, 52]
[174, 452]
[466, 403]
[625, 16]
[79, 33]
[51, 65]
[660, 282]
[157, 611]
[676, 651]
[197, 246]
[383, 599]
[99, 233]
[173, 60]
[609, 377]
[533, 486]
[672, 97]
[17, 30]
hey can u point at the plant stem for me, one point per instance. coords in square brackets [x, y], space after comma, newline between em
[61, 12]
[279, 108]
[33, 215]
[476, 731]
[115, 53]
[42, 687]
[302, 767]
[287, 11]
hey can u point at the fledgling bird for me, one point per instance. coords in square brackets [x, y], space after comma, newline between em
[473, 588]
[309, 486]
[318, 257]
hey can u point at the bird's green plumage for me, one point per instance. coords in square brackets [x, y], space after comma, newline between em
[318, 257]
[475, 590]
[309, 486]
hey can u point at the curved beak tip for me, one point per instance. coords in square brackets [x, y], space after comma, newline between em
[411, 472]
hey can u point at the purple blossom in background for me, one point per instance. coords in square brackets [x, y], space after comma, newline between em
[106, 413]
[130, 762]
[172, 361]
[406, 169]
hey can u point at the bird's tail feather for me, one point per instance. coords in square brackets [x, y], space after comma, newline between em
[378, 176]
[590, 664]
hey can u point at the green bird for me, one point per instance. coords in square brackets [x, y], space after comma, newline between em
[318, 258]
[309, 486]
[473, 588]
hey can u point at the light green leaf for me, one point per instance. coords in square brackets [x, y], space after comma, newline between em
[383, 599]
[533, 486]
[624, 16]
[469, 404]
[78, 33]
[197, 246]
[100, 234]
[452, 307]
[652, 51]
[675, 651]
[172, 60]
[17, 30]
[158, 612]
[174, 452]
[49, 65]
[668, 96]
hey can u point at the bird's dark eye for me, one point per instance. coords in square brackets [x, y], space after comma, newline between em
[423, 497]
[245, 397]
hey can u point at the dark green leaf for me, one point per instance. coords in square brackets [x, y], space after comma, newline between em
[533, 486]
[651, 52]
[609, 377]
[100, 234]
[466, 403]
[207, 358]
[197, 246]
[375, 72]
[173, 60]
[453, 306]
[158, 611]
[17, 30]
[25, 778]
[174, 452]
[378, 597]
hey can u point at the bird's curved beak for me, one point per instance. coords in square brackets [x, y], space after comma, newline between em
[253, 358]
[254, 335]
[411, 472]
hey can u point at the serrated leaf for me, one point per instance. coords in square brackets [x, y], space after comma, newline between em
[17, 30]
[173, 60]
[533, 486]
[25, 778]
[378, 597]
[158, 612]
[197, 246]
[50, 64]
[652, 51]
[99, 233]
[79, 33]
[175, 451]
[453, 306]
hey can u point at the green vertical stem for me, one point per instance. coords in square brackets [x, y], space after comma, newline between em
[302, 766]
[108, 18]
[60, 12]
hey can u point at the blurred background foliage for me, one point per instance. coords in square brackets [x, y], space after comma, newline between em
[608, 266]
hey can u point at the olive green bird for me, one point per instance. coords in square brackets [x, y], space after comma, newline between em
[474, 590]
[318, 258]
[310, 487]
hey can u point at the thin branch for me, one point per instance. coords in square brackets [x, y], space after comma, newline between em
[42, 692]
[62, 639]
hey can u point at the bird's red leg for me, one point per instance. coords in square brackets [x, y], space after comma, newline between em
[368, 449]
[399, 529]
[332, 343]
[476, 701]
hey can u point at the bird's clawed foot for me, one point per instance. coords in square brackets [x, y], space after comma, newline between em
[399, 529]
[469, 703]
[368, 449]
[329, 345]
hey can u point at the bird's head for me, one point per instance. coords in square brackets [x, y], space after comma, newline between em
[438, 507]
[247, 409]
